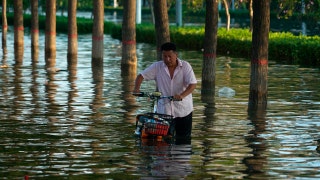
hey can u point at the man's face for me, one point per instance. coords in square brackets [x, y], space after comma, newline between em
[169, 58]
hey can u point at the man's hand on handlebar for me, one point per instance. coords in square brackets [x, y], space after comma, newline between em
[177, 97]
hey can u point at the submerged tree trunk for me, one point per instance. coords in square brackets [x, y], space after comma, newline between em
[50, 40]
[34, 31]
[97, 55]
[161, 24]
[18, 31]
[259, 60]
[72, 32]
[97, 40]
[210, 46]
[129, 57]
[4, 26]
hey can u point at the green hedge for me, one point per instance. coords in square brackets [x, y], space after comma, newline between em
[290, 49]
[283, 47]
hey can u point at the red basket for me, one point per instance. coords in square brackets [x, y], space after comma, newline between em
[158, 128]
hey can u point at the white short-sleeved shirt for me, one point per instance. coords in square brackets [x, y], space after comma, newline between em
[182, 78]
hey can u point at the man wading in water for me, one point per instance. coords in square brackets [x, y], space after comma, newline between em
[173, 77]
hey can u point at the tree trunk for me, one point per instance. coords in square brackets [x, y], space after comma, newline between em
[34, 31]
[259, 60]
[72, 32]
[161, 24]
[4, 26]
[150, 2]
[50, 39]
[97, 55]
[129, 57]
[18, 31]
[251, 14]
[97, 40]
[226, 6]
[179, 12]
[210, 47]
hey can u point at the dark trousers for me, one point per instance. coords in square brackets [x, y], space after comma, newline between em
[182, 126]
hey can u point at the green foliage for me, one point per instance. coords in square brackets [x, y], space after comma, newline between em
[145, 33]
[290, 49]
[116, 31]
[308, 53]
[190, 38]
[84, 25]
[235, 42]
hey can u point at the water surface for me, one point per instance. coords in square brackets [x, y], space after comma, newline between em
[66, 125]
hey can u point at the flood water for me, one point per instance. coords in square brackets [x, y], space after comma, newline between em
[65, 125]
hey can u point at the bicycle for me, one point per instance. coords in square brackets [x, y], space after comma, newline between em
[153, 124]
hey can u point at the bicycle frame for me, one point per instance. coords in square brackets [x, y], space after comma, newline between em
[153, 124]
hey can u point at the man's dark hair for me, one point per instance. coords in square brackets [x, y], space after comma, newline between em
[168, 46]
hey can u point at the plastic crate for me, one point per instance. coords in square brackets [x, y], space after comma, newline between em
[158, 128]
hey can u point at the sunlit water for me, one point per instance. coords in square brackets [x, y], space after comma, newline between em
[65, 125]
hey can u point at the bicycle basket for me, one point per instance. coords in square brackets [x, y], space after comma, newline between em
[158, 128]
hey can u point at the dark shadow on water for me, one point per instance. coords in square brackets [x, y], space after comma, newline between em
[17, 90]
[72, 77]
[51, 91]
[98, 81]
[208, 99]
[128, 75]
[256, 162]
[35, 88]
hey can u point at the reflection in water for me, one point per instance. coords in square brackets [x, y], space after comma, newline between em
[318, 145]
[34, 89]
[128, 76]
[255, 163]
[51, 87]
[72, 77]
[4, 78]
[18, 90]
[208, 99]
[4, 51]
[98, 79]
[160, 159]
[4, 59]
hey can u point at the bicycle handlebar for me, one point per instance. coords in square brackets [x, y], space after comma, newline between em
[154, 95]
